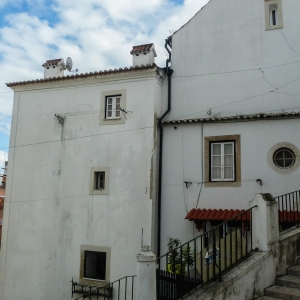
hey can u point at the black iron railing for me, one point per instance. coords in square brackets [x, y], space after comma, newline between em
[288, 210]
[204, 258]
[121, 289]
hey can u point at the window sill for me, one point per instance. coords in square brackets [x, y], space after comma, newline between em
[222, 184]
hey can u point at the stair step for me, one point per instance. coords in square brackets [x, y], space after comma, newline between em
[282, 292]
[266, 298]
[295, 270]
[289, 281]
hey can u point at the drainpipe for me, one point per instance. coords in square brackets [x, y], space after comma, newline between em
[169, 71]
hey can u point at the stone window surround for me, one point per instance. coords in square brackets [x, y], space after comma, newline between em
[105, 191]
[277, 146]
[89, 281]
[104, 95]
[224, 138]
[267, 14]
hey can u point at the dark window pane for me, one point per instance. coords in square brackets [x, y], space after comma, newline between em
[94, 265]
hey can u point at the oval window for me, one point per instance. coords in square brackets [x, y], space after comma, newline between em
[284, 158]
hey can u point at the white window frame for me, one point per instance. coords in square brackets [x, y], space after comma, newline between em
[269, 4]
[103, 120]
[114, 109]
[222, 161]
[94, 190]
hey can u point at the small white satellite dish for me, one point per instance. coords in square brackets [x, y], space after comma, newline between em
[69, 64]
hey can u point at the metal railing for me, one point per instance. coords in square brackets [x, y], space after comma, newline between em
[205, 258]
[288, 210]
[121, 289]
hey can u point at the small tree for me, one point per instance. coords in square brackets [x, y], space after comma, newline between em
[176, 253]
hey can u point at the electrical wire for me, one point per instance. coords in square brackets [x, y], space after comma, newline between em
[289, 43]
[80, 137]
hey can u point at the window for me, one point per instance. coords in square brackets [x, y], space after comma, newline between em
[94, 265]
[111, 105]
[273, 18]
[222, 161]
[273, 14]
[284, 158]
[99, 181]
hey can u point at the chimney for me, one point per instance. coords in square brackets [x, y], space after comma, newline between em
[54, 68]
[143, 54]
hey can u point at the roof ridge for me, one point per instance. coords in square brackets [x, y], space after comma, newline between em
[82, 75]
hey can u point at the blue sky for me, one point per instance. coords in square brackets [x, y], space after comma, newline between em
[97, 34]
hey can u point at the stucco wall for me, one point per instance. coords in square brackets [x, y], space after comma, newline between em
[49, 211]
[225, 63]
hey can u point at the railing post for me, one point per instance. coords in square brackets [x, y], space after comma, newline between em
[265, 229]
[146, 274]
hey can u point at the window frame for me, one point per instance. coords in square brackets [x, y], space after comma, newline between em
[284, 149]
[91, 281]
[222, 143]
[207, 161]
[93, 173]
[268, 14]
[114, 107]
[104, 120]
[274, 149]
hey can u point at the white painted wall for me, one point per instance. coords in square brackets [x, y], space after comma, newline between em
[50, 213]
[224, 60]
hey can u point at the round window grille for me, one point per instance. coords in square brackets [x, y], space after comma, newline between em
[284, 158]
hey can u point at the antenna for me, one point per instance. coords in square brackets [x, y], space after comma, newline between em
[69, 65]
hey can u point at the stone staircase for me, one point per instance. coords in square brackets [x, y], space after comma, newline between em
[287, 287]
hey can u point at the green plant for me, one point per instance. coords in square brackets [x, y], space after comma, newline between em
[178, 256]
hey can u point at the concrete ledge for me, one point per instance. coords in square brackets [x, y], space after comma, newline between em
[245, 281]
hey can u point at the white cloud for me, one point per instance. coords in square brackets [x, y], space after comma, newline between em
[97, 34]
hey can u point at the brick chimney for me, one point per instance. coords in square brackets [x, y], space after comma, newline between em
[54, 68]
[143, 54]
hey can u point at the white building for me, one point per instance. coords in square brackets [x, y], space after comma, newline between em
[82, 169]
[234, 110]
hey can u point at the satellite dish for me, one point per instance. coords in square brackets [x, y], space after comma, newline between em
[69, 64]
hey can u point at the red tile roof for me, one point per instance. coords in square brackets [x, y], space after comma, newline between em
[1, 201]
[289, 216]
[216, 215]
[141, 48]
[91, 74]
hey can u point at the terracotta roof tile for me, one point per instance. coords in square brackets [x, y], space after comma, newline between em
[289, 216]
[52, 62]
[91, 74]
[141, 48]
[237, 118]
[216, 215]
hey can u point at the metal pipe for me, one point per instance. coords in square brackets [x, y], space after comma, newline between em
[169, 74]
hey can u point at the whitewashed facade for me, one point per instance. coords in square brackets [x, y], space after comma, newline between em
[60, 136]
[230, 60]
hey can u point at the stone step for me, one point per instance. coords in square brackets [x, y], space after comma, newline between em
[289, 281]
[282, 292]
[266, 298]
[295, 270]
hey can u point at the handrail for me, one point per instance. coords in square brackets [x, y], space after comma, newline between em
[205, 258]
[250, 209]
[107, 290]
[288, 210]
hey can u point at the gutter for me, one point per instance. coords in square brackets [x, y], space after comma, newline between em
[169, 72]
